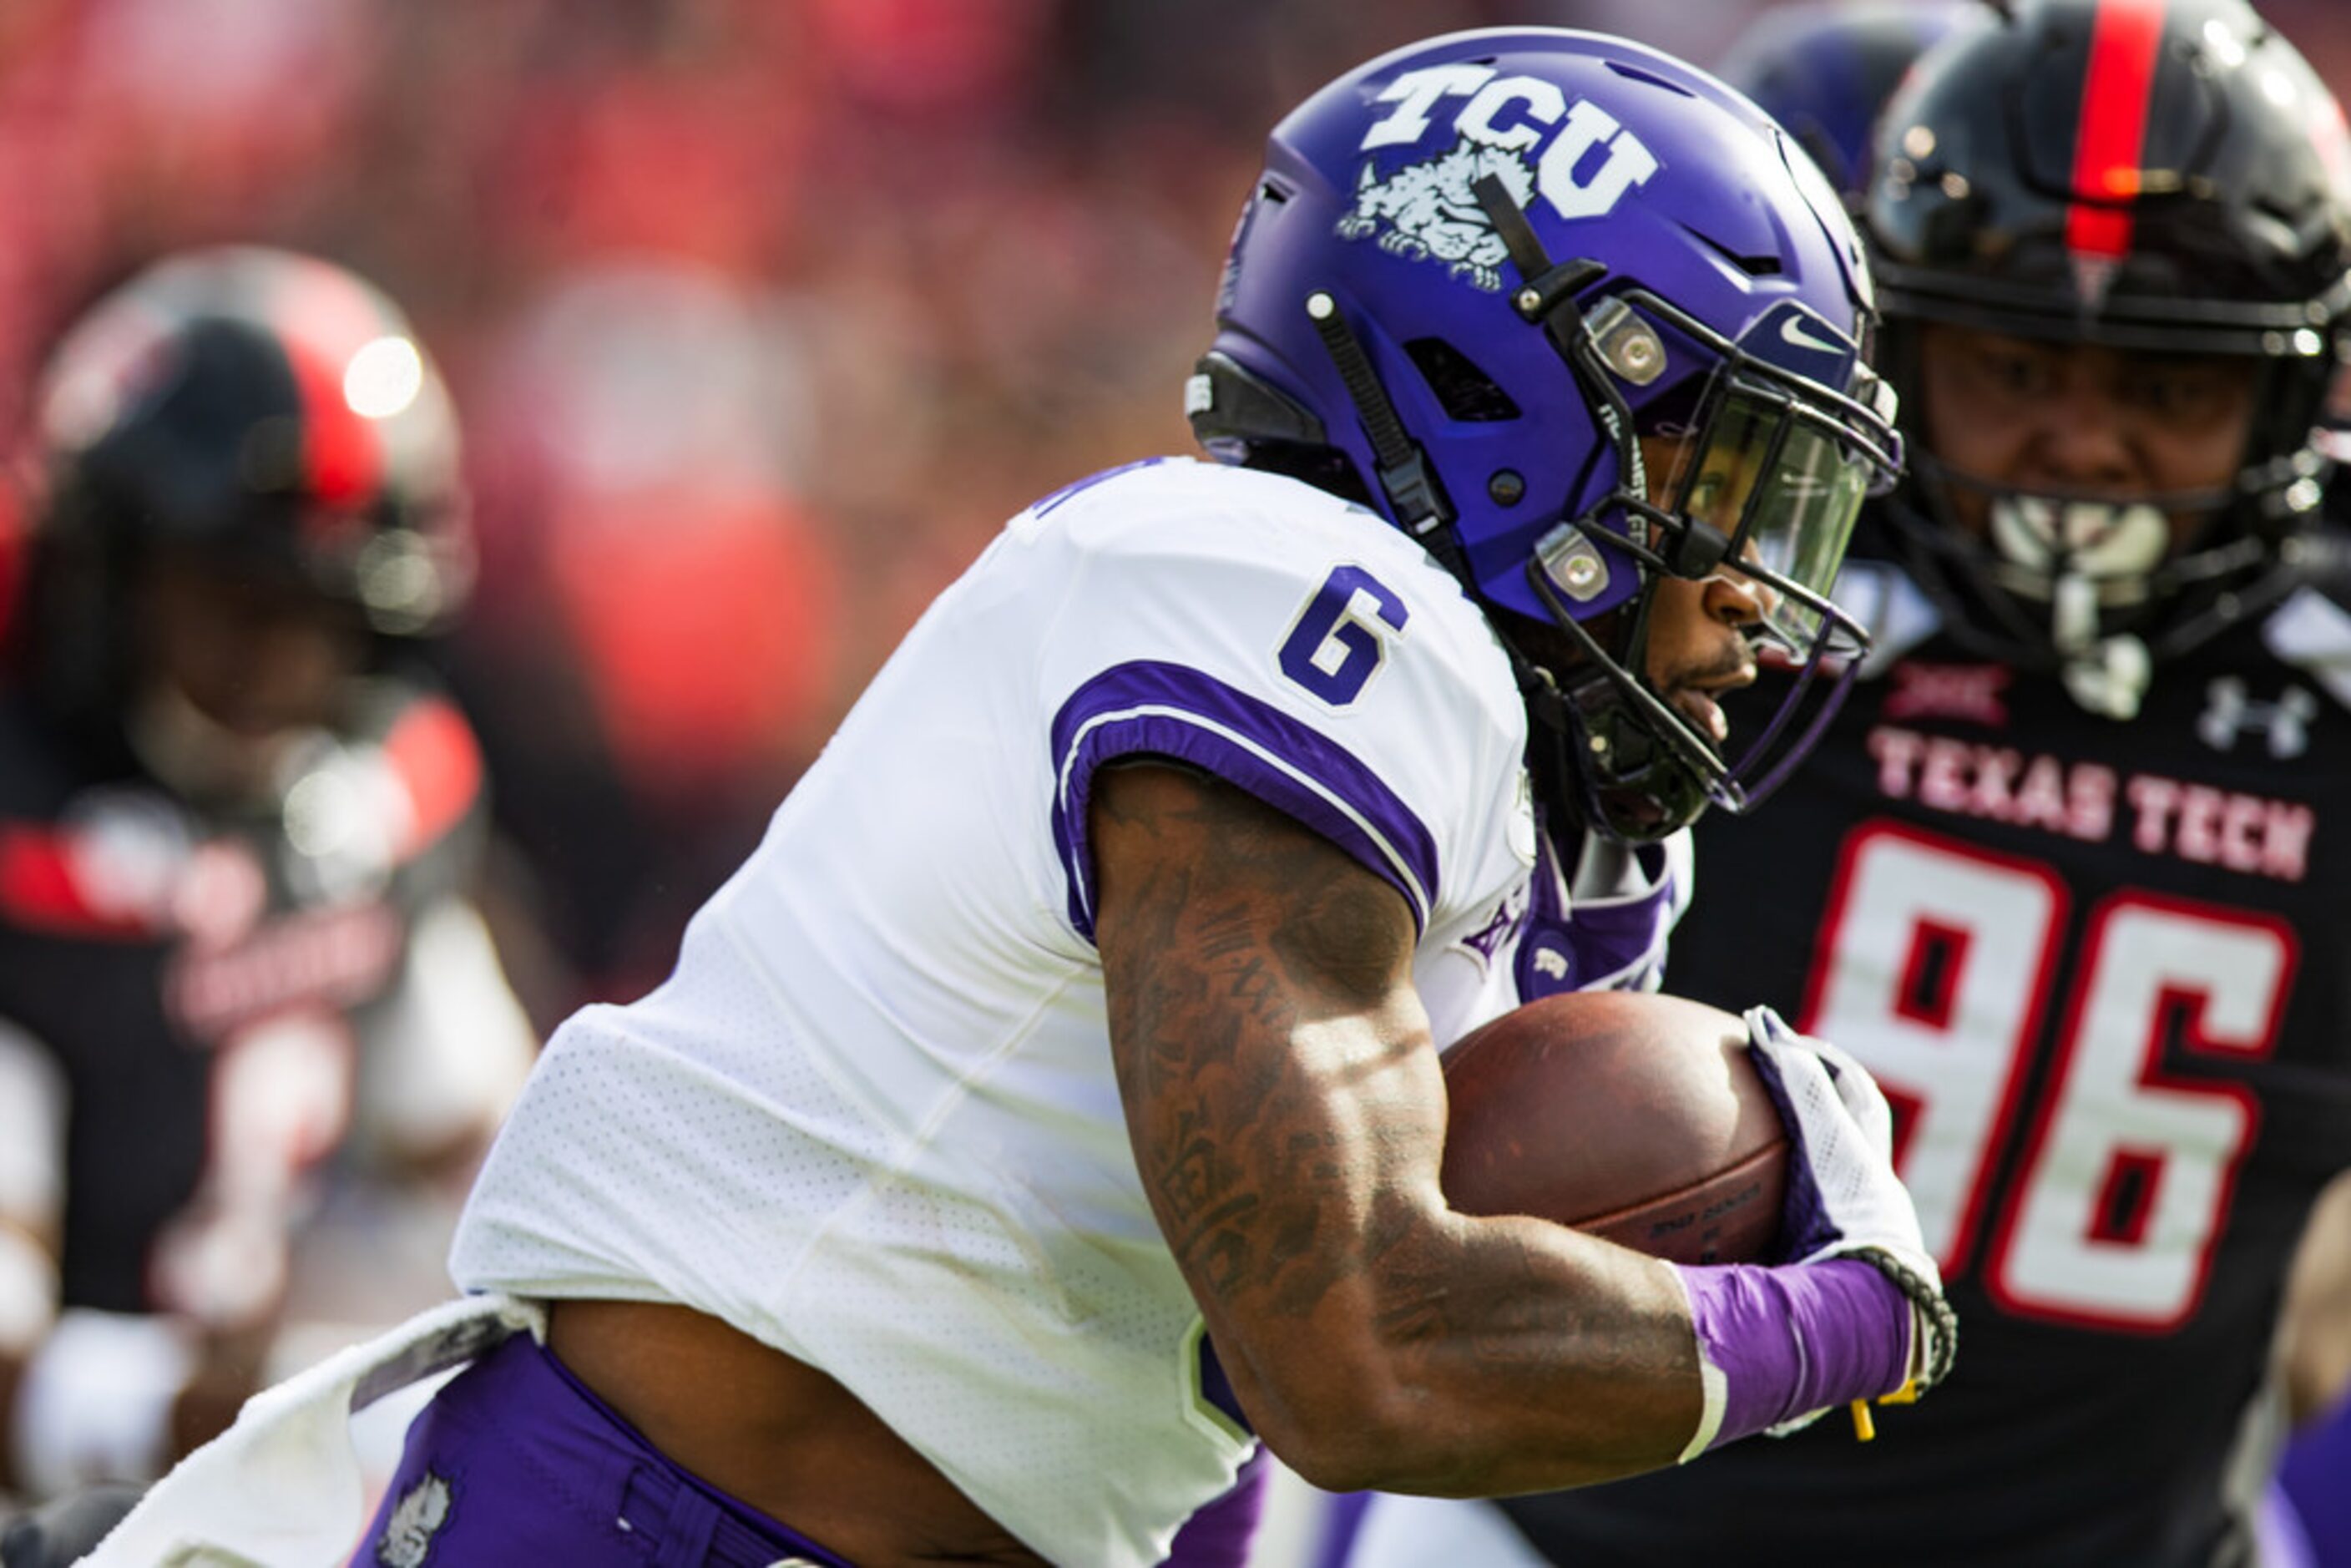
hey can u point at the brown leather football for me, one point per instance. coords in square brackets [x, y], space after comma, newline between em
[1632, 1117]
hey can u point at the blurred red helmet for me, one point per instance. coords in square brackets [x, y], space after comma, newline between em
[268, 410]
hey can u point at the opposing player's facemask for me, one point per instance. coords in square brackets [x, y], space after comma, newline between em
[2077, 572]
[1476, 273]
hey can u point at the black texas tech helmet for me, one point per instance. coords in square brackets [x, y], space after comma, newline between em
[2164, 175]
[265, 409]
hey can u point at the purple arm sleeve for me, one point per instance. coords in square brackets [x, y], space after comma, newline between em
[1788, 1340]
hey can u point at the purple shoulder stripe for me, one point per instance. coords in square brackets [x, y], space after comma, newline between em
[1173, 711]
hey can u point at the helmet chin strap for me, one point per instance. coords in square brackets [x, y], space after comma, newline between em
[2106, 676]
[2116, 544]
[2090, 554]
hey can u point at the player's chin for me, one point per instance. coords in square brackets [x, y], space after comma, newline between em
[1701, 713]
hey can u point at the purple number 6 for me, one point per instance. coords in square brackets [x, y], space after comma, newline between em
[1332, 652]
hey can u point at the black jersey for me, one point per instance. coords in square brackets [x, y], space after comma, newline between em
[204, 982]
[2103, 970]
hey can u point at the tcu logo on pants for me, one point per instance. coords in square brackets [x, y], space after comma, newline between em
[1510, 114]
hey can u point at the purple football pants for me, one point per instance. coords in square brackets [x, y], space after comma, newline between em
[515, 1462]
[2317, 1480]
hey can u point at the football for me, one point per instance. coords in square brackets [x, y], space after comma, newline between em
[1629, 1115]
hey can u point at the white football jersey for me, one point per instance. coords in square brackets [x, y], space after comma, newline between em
[871, 1119]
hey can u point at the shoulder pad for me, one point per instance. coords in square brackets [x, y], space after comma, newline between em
[2312, 632]
[2325, 558]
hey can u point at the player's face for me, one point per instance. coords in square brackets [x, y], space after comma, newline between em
[1699, 647]
[2079, 418]
[257, 657]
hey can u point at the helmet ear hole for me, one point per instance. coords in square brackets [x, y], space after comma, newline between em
[1466, 394]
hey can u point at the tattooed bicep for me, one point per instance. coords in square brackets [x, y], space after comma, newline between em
[1195, 866]
[1270, 1051]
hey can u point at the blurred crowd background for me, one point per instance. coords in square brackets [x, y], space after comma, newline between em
[760, 314]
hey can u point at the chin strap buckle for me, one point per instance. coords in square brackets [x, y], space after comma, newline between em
[1415, 496]
[2105, 676]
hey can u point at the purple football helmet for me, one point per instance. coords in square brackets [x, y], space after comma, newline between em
[1475, 273]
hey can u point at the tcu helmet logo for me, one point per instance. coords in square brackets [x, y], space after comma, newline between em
[1426, 209]
[1431, 212]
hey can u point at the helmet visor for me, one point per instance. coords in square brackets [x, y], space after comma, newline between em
[1784, 487]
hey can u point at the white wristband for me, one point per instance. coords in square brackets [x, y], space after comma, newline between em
[95, 1402]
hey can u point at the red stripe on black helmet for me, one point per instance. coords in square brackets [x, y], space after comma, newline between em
[2125, 41]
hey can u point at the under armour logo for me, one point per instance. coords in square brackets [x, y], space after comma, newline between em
[2228, 715]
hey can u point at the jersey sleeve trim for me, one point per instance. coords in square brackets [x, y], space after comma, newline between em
[1173, 711]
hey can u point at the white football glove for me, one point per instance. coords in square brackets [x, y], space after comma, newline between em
[1844, 1199]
